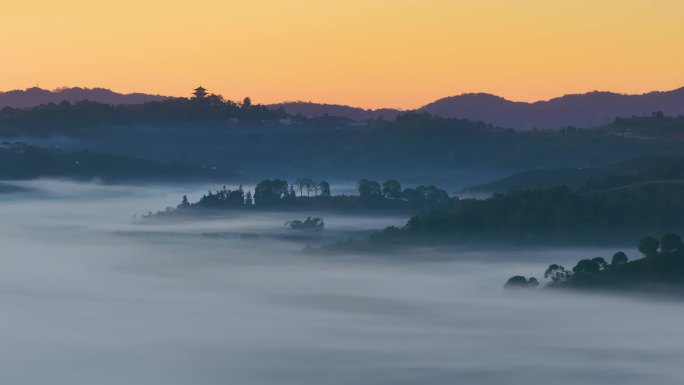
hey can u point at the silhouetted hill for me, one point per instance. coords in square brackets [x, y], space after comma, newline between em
[313, 110]
[268, 143]
[656, 126]
[35, 96]
[543, 178]
[635, 170]
[660, 270]
[554, 216]
[22, 161]
[582, 110]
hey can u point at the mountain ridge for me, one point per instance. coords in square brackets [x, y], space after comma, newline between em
[587, 110]
[35, 96]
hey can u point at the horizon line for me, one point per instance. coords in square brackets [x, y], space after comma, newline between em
[150, 93]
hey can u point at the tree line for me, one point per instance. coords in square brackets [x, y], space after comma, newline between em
[557, 214]
[662, 263]
[306, 193]
[70, 117]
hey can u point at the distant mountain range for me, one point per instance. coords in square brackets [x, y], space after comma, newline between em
[32, 97]
[580, 110]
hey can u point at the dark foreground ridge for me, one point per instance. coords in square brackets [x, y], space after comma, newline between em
[661, 268]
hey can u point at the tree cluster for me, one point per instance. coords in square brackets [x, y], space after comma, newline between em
[554, 214]
[307, 193]
[657, 125]
[72, 118]
[391, 190]
[662, 264]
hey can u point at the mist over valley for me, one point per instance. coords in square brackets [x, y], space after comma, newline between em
[88, 293]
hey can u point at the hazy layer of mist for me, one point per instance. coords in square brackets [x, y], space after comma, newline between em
[89, 297]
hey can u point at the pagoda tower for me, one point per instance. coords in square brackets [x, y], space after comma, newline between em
[200, 93]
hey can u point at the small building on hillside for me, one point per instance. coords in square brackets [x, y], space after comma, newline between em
[200, 92]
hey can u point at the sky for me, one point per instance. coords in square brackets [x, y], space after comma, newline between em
[368, 53]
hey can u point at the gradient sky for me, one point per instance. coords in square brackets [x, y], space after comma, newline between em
[370, 53]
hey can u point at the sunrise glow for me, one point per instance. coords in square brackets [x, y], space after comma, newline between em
[382, 53]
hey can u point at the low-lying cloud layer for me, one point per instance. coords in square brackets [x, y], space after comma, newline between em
[86, 302]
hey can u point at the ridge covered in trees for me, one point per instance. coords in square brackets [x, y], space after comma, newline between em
[257, 140]
[553, 215]
[634, 170]
[305, 193]
[89, 117]
[84, 116]
[20, 161]
[661, 266]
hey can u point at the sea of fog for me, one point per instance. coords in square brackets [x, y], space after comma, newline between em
[88, 296]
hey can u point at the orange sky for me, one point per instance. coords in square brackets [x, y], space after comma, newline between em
[370, 53]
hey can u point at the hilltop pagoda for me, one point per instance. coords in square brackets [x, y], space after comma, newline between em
[200, 93]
